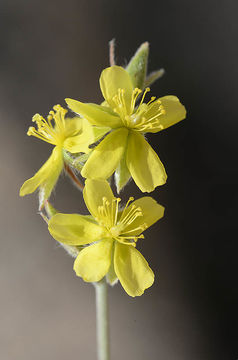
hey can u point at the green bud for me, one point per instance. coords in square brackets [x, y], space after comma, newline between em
[137, 67]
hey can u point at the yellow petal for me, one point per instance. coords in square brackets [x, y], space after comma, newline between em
[46, 177]
[94, 261]
[112, 79]
[74, 229]
[81, 141]
[73, 126]
[100, 131]
[106, 156]
[93, 193]
[151, 210]
[144, 164]
[95, 114]
[174, 112]
[132, 270]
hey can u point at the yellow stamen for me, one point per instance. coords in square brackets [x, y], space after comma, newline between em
[143, 96]
[108, 214]
[145, 117]
[45, 129]
[135, 94]
[141, 228]
[120, 104]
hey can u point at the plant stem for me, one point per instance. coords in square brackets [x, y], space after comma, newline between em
[112, 52]
[102, 320]
[73, 177]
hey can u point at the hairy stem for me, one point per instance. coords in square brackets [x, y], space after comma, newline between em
[112, 52]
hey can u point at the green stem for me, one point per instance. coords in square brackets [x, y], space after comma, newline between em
[102, 320]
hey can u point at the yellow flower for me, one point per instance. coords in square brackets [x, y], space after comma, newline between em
[74, 135]
[129, 123]
[112, 233]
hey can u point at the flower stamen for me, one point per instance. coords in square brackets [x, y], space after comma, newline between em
[145, 116]
[45, 129]
[108, 214]
[136, 92]
[143, 96]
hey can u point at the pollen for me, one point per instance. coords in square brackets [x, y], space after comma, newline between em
[52, 129]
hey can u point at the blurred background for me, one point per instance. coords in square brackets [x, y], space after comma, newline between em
[56, 49]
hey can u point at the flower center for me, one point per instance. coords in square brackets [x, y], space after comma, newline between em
[46, 131]
[117, 222]
[144, 117]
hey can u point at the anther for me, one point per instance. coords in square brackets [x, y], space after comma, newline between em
[30, 131]
[36, 117]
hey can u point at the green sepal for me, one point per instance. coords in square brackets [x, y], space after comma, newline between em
[153, 76]
[50, 210]
[111, 276]
[72, 250]
[122, 175]
[79, 161]
[76, 161]
[137, 67]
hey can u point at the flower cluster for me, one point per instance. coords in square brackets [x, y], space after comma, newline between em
[99, 141]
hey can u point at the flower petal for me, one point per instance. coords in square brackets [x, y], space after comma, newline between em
[132, 270]
[95, 114]
[112, 79]
[106, 156]
[144, 164]
[94, 261]
[151, 210]
[93, 193]
[174, 112]
[100, 131]
[81, 141]
[74, 229]
[73, 126]
[46, 177]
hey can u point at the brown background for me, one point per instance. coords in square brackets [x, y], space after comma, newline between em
[57, 49]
